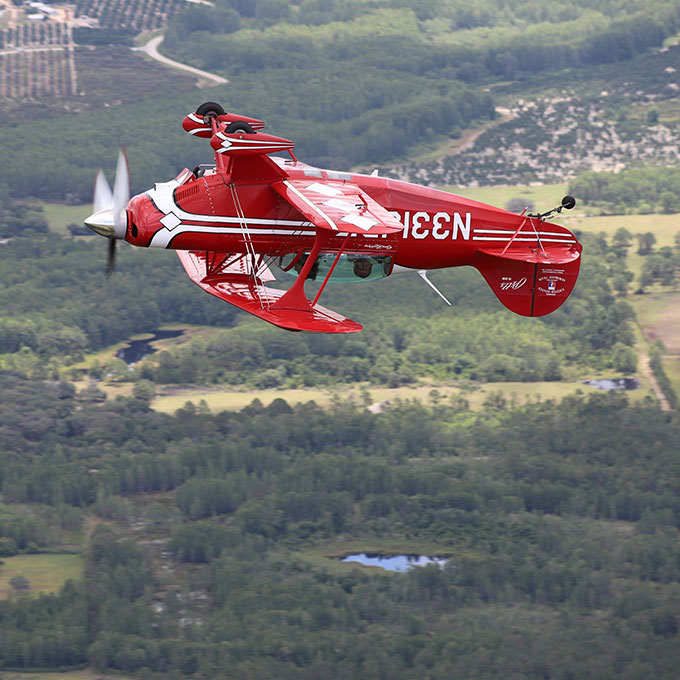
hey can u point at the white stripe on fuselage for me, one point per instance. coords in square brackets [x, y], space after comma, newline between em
[163, 237]
[163, 199]
[162, 196]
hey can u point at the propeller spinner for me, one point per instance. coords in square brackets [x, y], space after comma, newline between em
[109, 218]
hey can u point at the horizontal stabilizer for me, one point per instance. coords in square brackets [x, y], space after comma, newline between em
[531, 281]
[247, 292]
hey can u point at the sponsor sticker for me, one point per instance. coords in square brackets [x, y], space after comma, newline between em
[551, 284]
[508, 283]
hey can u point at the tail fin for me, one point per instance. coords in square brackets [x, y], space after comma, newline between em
[531, 281]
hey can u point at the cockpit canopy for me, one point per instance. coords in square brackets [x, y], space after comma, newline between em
[350, 268]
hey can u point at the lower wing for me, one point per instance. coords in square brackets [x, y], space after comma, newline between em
[240, 280]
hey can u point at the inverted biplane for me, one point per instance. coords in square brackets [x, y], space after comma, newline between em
[232, 222]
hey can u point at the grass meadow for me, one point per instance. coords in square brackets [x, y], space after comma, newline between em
[476, 394]
[59, 216]
[45, 572]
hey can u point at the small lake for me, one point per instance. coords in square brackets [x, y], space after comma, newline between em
[394, 562]
[615, 384]
[136, 350]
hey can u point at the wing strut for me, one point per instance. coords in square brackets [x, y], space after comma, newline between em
[330, 271]
[248, 242]
[294, 297]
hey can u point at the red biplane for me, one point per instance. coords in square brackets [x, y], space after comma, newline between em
[231, 222]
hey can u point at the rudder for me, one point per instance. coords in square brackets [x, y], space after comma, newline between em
[530, 282]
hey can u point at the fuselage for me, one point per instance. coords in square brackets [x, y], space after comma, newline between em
[222, 211]
[230, 222]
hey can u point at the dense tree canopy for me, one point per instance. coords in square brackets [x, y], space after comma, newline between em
[558, 518]
[633, 190]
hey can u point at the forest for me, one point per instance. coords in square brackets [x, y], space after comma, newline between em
[212, 538]
[207, 544]
[352, 83]
[638, 190]
[556, 519]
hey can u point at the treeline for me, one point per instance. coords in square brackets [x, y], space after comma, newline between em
[520, 500]
[82, 35]
[19, 217]
[312, 463]
[432, 38]
[631, 191]
[23, 530]
[656, 364]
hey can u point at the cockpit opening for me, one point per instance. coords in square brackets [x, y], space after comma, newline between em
[350, 267]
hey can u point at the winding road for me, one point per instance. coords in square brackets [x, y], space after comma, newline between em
[151, 48]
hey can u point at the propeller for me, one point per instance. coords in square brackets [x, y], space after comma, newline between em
[109, 218]
[111, 256]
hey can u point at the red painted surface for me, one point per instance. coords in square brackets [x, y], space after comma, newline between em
[253, 208]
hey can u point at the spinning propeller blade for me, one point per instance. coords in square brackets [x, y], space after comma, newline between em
[103, 197]
[121, 193]
[111, 256]
[109, 218]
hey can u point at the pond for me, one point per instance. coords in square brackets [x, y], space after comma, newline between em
[613, 384]
[394, 562]
[136, 350]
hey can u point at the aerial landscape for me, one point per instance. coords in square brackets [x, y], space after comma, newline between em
[188, 491]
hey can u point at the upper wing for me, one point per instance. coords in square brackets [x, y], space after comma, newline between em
[338, 206]
[233, 279]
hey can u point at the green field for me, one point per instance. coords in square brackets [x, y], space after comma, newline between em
[46, 573]
[513, 392]
[59, 215]
[659, 318]
[544, 196]
[664, 227]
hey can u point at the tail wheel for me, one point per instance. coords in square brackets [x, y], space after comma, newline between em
[239, 126]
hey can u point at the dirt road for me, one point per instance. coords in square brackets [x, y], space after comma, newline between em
[151, 48]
